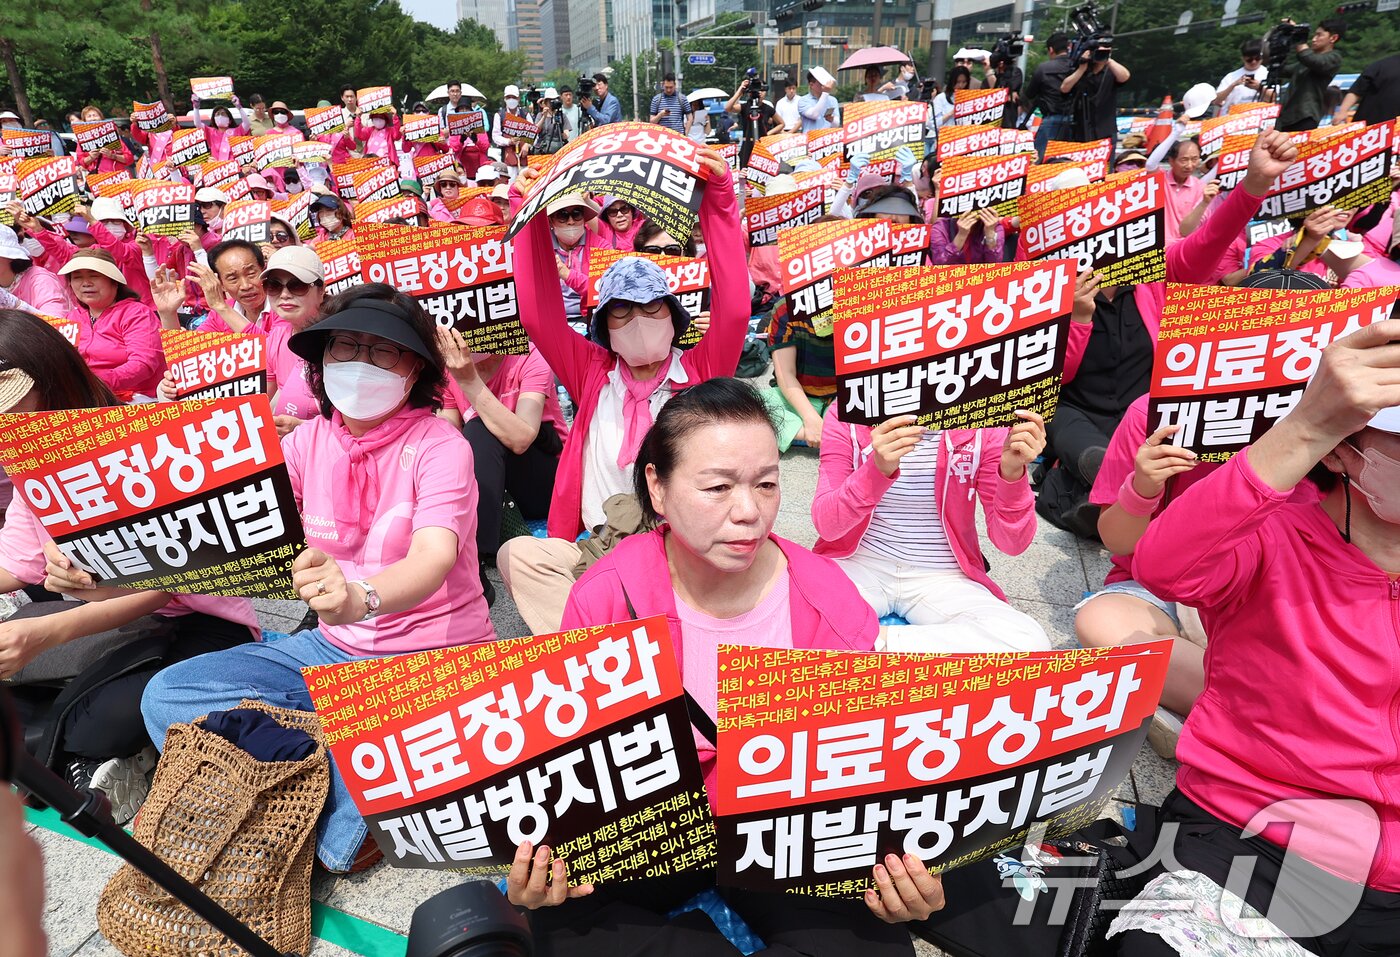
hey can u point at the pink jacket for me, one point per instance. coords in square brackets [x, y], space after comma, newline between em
[583, 366]
[827, 611]
[96, 162]
[341, 145]
[470, 152]
[850, 485]
[1193, 259]
[122, 346]
[128, 257]
[43, 290]
[1301, 697]
[219, 146]
[157, 144]
[380, 142]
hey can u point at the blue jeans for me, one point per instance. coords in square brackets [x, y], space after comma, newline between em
[1059, 128]
[269, 671]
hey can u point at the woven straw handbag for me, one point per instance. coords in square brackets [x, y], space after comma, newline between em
[242, 830]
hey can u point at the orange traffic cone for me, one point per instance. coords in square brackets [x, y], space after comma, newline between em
[1161, 127]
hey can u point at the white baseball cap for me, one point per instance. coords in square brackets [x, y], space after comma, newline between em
[1069, 179]
[107, 207]
[210, 194]
[513, 90]
[1197, 100]
[10, 246]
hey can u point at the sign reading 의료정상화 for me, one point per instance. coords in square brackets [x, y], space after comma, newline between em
[580, 741]
[763, 166]
[1347, 171]
[1098, 151]
[785, 147]
[218, 174]
[909, 244]
[9, 187]
[830, 760]
[27, 143]
[811, 255]
[766, 217]
[274, 150]
[1114, 227]
[311, 152]
[518, 128]
[983, 140]
[375, 182]
[961, 347]
[429, 168]
[325, 120]
[189, 147]
[687, 278]
[879, 128]
[241, 149]
[151, 117]
[340, 262]
[648, 166]
[1249, 122]
[296, 212]
[345, 173]
[1041, 175]
[92, 137]
[422, 128]
[248, 219]
[1231, 362]
[215, 365]
[979, 107]
[175, 496]
[826, 146]
[47, 185]
[466, 123]
[462, 276]
[212, 87]
[377, 100]
[967, 183]
[162, 207]
[402, 206]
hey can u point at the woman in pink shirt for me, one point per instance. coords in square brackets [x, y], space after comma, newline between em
[620, 221]
[708, 472]
[386, 495]
[107, 645]
[1293, 742]
[118, 335]
[109, 158]
[380, 136]
[221, 118]
[295, 287]
[26, 285]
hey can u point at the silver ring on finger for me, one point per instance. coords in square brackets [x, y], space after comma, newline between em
[321, 587]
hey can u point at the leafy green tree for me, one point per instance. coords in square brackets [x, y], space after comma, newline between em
[731, 59]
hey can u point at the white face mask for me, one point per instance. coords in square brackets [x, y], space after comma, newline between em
[699, 250]
[221, 122]
[281, 119]
[33, 247]
[644, 340]
[118, 230]
[329, 221]
[293, 186]
[511, 102]
[570, 234]
[379, 122]
[363, 391]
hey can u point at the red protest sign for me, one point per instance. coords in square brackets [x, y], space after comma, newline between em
[1346, 170]
[688, 280]
[400, 206]
[114, 185]
[785, 147]
[218, 175]
[27, 143]
[176, 496]
[824, 145]
[763, 166]
[462, 276]
[979, 107]
[878, 128]
[344, 173]
[519, 128]
[579, 740]
[765, 217]
[340, 262]
[241, 149]
[375, 99]
[212, 87]
[9, 186]
[151, 117]
[1114, 227]
[1099, 151]
[71, 330]
[422, 128]
[162, 208]
[296, 212]
[325, 120]
[275, 150]
[910, 244]
[1040, 176]
[92, 137]
[961, 347]
[311, 152]
[215, 365]
[248, 219]
[1251, 121]
[467, 123]
[830, 760]
[968, 141]
[1230, 363]
[811, 255]
[967, 183]
[189, 147]
[47, 185]
[655, 170]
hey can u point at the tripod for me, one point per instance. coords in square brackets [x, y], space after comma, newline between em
[87, 813]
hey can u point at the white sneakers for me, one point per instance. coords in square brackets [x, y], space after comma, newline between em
[126, 782]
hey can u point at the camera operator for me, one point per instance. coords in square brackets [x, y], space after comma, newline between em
[608, 109]
[555, 128]
[1245, 84]
[1318, 61]
[1093, 88]
[1005, 74]
[757, 117]
[1043, 93]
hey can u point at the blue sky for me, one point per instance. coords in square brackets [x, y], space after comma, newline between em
[440, 13]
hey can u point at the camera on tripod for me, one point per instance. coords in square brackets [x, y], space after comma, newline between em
[1093, 36]
[1281, 39]
[586, 85]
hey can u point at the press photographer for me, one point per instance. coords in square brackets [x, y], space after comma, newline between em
[1003, 73]
[608, 109]
[1093, 85]
[1304, 104]
[757, 117]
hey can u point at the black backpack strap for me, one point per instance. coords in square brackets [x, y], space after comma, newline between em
[699, 718]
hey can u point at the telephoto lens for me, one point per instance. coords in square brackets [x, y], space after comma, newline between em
[473, 919]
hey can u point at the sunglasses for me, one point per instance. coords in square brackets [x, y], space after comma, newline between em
[274, 287]
[280, 237]
[568, 215]
[620, 210]
[621, 307]
[382, 354]
[671, 250]
[441, 188]
[1252, 59]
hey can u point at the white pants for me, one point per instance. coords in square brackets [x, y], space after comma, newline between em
[947, 611]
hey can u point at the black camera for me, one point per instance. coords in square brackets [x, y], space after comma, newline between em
[1010, 46]
[1093, 36]
[928, 90]
[586, 85]
[1278, 43]
[470, 920]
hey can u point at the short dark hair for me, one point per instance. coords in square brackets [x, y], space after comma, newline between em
[1335, 25]
[651, 230]
[1252, 47]
[789, 82]
[64, 380]
[600, 78]
[255, 99]
[1175, 150]
[347, 87]
[669, 78]
[229, 245]
[452, 83]
[432, 380]
[708, 403]
[1057, 42]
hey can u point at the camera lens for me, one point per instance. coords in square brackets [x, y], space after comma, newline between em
[473, 919]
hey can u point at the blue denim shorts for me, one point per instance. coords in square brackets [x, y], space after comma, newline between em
[1131, 587]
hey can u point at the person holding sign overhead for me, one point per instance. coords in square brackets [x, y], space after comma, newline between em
[707, 471]
[381, 135]
[223, 127]
[386, 495]
[620, 376]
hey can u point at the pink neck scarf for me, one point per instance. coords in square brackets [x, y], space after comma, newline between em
[636, 409]
[356, 476]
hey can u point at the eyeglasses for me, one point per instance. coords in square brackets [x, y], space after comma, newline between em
[441, 188]
[204, 206]
[382, 354]
[672, 250]
[568, 215]
[274, 287]
[621, 307]
[280, 237]
[620, 209]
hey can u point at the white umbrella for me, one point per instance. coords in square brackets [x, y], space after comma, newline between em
[708, 93]
[468, 91]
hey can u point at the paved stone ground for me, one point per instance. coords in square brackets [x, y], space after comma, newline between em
[1045, 582]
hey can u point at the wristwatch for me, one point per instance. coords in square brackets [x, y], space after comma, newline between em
[371, 600]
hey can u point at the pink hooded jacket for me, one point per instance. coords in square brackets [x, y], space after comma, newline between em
[122, 345]
[583, 365]
[850, 485]
[1301, 698]
[827, 611]
[380, 142]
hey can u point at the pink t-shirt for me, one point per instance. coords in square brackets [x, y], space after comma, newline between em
[45, 291]
[286, 372]
[769, 625]
[514, 376]
[424, 480]
[1378, 272]
[1181, 199]
[22, 539]
[259, 326]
